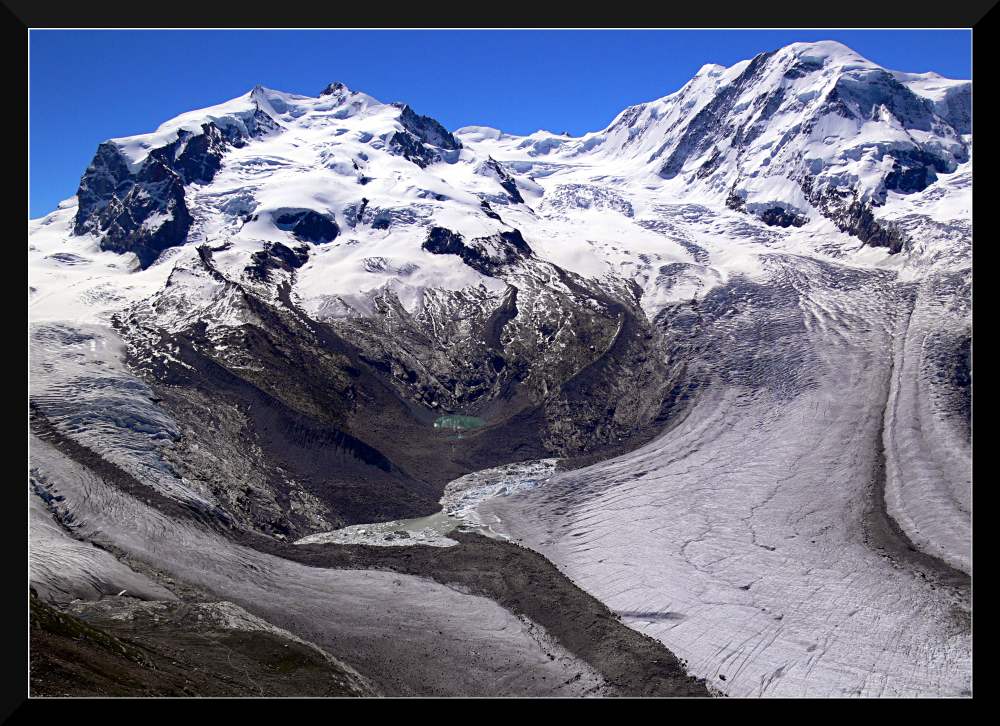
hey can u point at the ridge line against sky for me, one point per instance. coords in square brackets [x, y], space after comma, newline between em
[88, 86]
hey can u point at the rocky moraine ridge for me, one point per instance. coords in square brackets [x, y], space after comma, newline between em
[286, 315]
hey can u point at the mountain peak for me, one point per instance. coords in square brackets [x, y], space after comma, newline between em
[336, 89]
[710, 69]
[823, 52]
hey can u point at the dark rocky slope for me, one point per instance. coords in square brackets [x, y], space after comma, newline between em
[127, 647]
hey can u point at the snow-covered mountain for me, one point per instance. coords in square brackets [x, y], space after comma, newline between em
[763, 275]
[812, 137]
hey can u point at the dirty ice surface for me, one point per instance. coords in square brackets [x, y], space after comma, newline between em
[458, 509]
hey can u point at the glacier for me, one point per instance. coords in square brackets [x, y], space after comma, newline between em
[731, 332]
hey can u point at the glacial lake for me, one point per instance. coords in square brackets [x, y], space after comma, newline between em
[457, 423]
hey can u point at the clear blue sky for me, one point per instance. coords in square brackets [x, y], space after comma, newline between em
[88, 86]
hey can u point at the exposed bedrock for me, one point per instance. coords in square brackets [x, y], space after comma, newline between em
[341, 412]
[142, 208]
[488, 255]
[855, 217]
[423, 140]
[307, 225]
[276, 256]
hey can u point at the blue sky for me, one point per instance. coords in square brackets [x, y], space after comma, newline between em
[88, 86]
